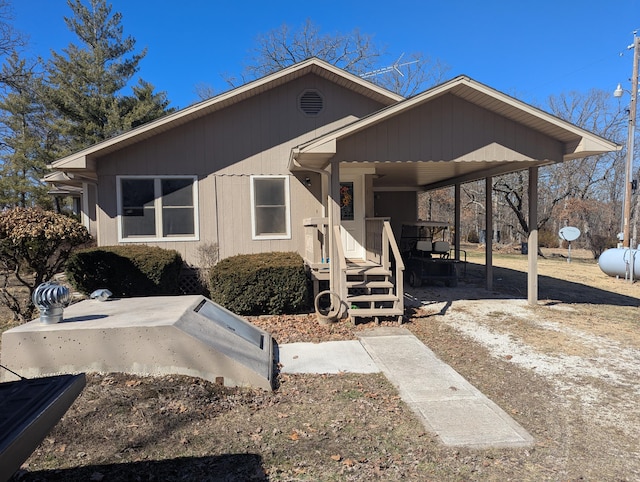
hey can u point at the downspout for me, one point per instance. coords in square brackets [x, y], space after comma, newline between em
[215, 189]
[84, 204]
[335, 311]
[322, 172]
[326, 174]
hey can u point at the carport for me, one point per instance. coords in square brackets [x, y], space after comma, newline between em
[458, 132]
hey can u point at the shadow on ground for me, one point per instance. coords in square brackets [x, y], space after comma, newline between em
[228, 468]
[509, 283]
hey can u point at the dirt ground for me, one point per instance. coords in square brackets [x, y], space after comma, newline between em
[566, 370]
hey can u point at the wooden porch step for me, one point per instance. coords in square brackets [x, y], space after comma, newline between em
[371, 298]
[370, 284]
[368, 270]
[320, 274]
[374, 312]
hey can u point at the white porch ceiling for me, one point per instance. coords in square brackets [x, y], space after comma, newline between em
[432, 174]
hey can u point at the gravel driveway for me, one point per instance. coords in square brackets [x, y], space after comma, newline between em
[568, 372]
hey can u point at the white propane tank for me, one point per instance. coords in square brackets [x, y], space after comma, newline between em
[616, 262]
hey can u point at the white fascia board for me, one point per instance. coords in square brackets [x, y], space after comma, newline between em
[588, 138]
[589, 146]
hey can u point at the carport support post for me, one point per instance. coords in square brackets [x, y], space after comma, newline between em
[456, 221]
[488, 223]
[333, 212]
[532, 251]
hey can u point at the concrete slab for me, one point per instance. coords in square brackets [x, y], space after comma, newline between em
[187, 335]
[447, 404]
[328, 357]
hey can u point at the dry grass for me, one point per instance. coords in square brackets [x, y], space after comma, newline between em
[566, 370]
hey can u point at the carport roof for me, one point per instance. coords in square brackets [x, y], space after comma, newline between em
[430, 173]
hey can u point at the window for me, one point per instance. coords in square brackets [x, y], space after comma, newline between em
[270, 215]
[156, 208]
[346, 201]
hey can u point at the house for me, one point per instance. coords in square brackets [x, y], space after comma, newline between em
[316, 160]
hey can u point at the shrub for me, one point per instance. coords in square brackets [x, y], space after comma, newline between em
[598, 244]
[472, 236]
[267, 283]
[548, 239]
[126, 271]
[34, 246]
[208, 256]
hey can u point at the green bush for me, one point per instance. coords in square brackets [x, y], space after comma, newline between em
[472, 236]
[266, 283]
[126, 271]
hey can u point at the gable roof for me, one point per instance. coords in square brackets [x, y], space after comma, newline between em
[84, 159]
[576, 142]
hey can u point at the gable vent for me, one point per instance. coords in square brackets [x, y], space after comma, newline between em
[311, 102]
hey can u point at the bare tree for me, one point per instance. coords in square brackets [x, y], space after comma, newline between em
[354, 52]
[566, 189]
[204, 90]
[10, 41]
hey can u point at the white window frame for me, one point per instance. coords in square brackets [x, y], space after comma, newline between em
[158, 211]
[287, 200]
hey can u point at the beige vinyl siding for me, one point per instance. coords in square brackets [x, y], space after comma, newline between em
[89, 217]
[223, 149]
[400, 206]
[234, 205]
[448, 129]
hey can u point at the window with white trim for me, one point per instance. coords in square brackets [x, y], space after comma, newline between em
[270, 207]
[157, 208]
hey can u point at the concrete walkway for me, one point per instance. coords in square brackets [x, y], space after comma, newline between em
[447, 404]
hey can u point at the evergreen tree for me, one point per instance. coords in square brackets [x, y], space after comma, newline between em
[28, 139]
[144, 106]
[86, 80]
[10, 41]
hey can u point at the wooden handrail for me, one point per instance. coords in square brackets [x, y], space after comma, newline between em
[337, 237]
[394, 245]
[315, 221]
[342, 263]
[391, 239]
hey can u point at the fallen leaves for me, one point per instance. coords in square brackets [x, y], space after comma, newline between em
[307, 328]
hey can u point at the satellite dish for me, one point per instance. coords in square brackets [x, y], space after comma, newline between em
[569, 233]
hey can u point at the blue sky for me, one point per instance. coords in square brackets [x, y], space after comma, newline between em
[527, 49]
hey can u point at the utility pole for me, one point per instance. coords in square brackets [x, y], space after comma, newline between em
[628, 180]
[630, 140]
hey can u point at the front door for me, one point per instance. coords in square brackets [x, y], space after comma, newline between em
[352, 215]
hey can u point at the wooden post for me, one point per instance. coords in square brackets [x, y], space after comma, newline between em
[630, 144]
[488, 223]
[456, 221]
[333, 209]
[532, 253]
